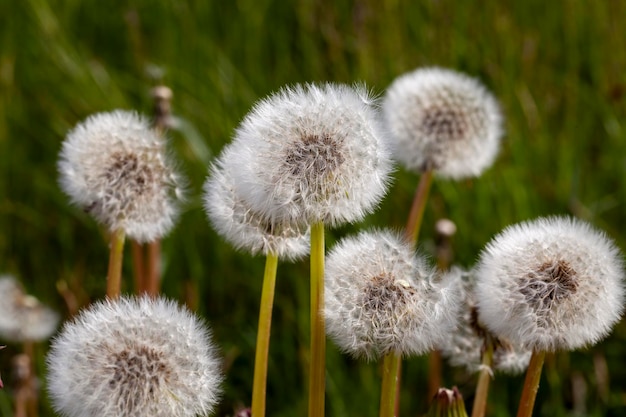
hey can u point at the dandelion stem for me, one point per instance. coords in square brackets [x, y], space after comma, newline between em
[152, 279]
[114, 277]
[138, 266]
[388, 391]
[482, 389]
[411, 233]
[434, 372]
[30, 382]
[317, 369]
[263, 337]
[416, 214]
[531, 384]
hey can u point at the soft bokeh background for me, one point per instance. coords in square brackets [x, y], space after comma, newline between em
[558, 69]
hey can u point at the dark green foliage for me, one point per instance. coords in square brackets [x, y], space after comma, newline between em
[558, 69]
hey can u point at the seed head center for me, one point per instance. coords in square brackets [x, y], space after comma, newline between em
[551, 283]
[314, 156]
[127, 173]
[444, 124]
[385, 293]
[138, 368]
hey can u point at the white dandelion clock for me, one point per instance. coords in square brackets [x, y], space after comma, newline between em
[22, 316]
[465, 346]
[553, 283]
[114, 166]
[312, 153]
[381, 298]
[243, 227]
[134, 357]
[444, 121]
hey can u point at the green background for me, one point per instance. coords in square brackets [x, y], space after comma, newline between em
[558, 69]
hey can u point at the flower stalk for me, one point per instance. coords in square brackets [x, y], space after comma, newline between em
[482, 388]
[388, 393]
[114, 276]
[259, 387]
[317, 370]
[531, 384]
[418, 206]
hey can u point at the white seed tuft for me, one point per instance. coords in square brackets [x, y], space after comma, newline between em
[239, 224]
[312, 153]
[114, 166]
[464, 346]
[381, 298]
[442, 120]
[134, 357]
[22, 316]
[552, 283]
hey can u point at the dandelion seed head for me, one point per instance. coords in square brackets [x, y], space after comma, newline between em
[115, 167]
[442, 120]
[380, 298]
[312, 153]
[134, 357]
[464, 346]
[553, 283]
[22, 316]
[239, 224]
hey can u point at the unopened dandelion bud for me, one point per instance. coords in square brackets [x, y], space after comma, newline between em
[447, 403]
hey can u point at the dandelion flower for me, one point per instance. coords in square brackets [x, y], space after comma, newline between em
[444, 121]
[381, 298]
[22, 316]
[239, 224]
[553, 283]
[464, 347]
[115, 167]
[312, 153]
[134, 357]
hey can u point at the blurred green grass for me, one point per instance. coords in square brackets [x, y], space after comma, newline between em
[558, 69]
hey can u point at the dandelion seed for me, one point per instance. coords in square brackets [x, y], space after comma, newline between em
[22, 317]
[381, 298]
[239, 224]
[444, 121]
[115, 167]
[312, 153]
[553, 283]
[134, 357]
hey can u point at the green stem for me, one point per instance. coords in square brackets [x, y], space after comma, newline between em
[388, 390]
[482, 389]
[317, 367]
[263, 337]
[531, 384]
[114, 277]
[416, 214]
